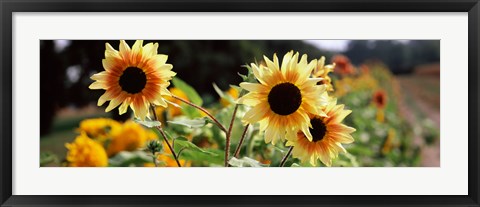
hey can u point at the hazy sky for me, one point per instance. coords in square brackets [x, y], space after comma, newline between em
[333, 45]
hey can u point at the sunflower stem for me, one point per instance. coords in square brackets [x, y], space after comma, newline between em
[229, 133]
[239, 146]
[159, 128]
[204, 111]
[154, 159]
[286, 157]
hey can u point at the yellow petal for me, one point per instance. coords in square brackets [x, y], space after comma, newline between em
[150, 50]
[285, 61]
[250, 99]
[114, 103]
[269, 63]
[105, 97]
[100, 76]
[97, 85]
[110, 51]
[258, 73]
[272, 135]
[275, 61]
[256, 114]
[123, 108]
[306, 131]
[140, 108]
[124, 50]
[137, 50]
[253, 87]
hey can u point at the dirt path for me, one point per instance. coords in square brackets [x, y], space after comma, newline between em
[424, 101]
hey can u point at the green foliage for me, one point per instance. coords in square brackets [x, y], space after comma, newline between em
[183, 143]
[191, 123]
[189, 151]
[223, 95]
[154, 146]
[47, 158]
[148, 123]
[127, 159]
[188, 90]
[245, 162]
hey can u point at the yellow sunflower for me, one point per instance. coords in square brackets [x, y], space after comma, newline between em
[131, 136]
[321, 71]
[85, 152]
[99, 128]
[328, 136]
[283, 97]
[135, 77]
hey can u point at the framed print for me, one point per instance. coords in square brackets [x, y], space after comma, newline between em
[310, 103]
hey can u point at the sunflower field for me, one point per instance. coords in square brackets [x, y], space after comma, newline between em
[288, 110]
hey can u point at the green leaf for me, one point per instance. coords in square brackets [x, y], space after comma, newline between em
[244, 77]
[250, 77]
[148, 123]
[183, 143]
[223, 95]
[47, 158]
[126, 159]
[188, 90]
[204, 159]
[191, 123]
[295, 165]
[245, 162]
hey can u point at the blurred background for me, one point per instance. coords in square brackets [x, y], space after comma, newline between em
[392, 86]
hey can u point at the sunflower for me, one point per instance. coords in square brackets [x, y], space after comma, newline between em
[379, 99]
[321, 71]
[99, 128]
[328, 135]
[131, 136]
[283, 97]
[85, 152]
[343, 65]
[135, 77]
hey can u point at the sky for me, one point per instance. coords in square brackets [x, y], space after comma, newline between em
[333, 45]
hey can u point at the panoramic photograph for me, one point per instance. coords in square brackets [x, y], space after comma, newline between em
[239, 103]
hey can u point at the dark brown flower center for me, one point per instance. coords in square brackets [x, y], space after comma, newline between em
[380, 100]
[318, 129]
[133, 80]
[285, 98]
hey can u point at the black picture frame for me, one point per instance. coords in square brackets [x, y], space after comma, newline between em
[8, 7]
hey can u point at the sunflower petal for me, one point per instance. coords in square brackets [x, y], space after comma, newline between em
[114, 103]
[110, 51]
[285, 61]
[123, 108]
[250, 99]
[102, 76]
[255, 87]
[97, 85]
[137, 52]
[124, 50]
[255, 114]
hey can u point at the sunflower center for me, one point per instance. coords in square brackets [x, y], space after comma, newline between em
[133, 80]
[380, 100]
[318, 129]
[284, 98]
